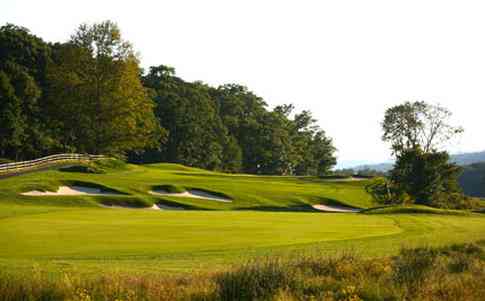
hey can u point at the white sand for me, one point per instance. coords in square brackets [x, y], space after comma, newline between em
[328, 208]
[70, 190]
[154, 207]
[193, 193]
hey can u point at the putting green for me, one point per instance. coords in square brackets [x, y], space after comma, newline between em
[98, 233]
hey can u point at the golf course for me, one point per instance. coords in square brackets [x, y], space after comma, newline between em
[206, 151]
[117, 229]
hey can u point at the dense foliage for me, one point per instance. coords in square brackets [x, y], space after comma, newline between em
[89, 95]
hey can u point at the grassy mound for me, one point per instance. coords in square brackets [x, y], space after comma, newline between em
[100, 166]
[169, 188]
[211, 192]
[43, 186]
[102, 188]
[110, 164]
[123, 201]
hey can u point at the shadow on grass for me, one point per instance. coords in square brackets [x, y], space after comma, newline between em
[161, 202]
[397, 209]
[295, 208]
[300, 207]
[333, 202]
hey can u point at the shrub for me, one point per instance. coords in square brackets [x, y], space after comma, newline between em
[257, 280]
[412, 266]
[454, 201]
[385, 192]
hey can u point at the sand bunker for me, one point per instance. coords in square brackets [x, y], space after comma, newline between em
[154, 207]
[193, 193]
[70, 190]
[328, 208]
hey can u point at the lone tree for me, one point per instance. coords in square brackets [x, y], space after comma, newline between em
[414, 125]
[416, 131]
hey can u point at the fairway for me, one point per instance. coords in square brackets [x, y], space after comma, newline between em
[132, 233]
[266, 216]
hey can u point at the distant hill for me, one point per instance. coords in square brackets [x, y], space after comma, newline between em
[460, 159]
[468, 158]
[381, 167]
[472, 180]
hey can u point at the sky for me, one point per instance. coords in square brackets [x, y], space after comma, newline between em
[346, 61]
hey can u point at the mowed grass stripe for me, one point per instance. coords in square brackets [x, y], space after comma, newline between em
[116, 233]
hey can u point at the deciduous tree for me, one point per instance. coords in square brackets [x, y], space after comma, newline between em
[95, 81]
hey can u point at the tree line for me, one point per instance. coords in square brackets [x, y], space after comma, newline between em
[89, 95]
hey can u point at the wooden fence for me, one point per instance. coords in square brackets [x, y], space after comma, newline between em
[18, 167]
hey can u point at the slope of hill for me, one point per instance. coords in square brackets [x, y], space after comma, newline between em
[468, 158]
[137, 183]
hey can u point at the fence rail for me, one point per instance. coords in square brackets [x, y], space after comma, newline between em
[16, 167]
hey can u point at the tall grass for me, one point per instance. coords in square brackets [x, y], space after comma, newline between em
[450, 273]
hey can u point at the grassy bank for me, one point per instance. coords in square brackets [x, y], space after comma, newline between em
[245, 191]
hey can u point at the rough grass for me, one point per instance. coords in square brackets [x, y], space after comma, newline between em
[455, 272]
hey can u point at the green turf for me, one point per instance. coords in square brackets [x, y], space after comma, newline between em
[246, 191]
[75, 233]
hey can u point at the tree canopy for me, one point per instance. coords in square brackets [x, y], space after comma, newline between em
[90, 95]
[418, 124]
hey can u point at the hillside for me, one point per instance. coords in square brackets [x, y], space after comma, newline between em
[135, 184]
